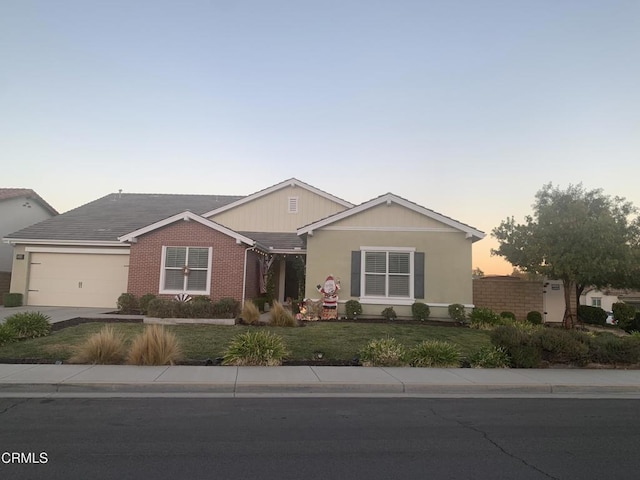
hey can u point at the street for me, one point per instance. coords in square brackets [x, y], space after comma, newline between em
[309, 438]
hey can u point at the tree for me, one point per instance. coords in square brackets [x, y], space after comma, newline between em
[477, 273]
[581, 237]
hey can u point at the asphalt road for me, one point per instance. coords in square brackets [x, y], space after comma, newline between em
[316, 438]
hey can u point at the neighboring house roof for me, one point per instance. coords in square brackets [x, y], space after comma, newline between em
[391, 198]
[115, 215]
[186, 216]
[8, 193]
[278, 241]
[287, 183]
[612, 292]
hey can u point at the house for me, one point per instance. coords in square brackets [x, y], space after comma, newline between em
[287, 238]
[605, 298]
[19, 208]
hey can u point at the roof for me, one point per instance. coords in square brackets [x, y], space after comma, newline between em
[274, 188]
[392, 198]
[8, 193]
[186, 216]
[278, 241]
[115, 215]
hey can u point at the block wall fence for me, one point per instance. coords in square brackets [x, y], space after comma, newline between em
[509, 294]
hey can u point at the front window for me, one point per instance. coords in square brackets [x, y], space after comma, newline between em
[186, 270]
[387, 274]
[596, 302]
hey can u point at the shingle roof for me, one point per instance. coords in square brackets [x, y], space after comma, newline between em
[109, 217]
[277, 240]
[8, 193]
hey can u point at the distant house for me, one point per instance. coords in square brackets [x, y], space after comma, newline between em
[607, 297]
[19, 208]
[388, 251]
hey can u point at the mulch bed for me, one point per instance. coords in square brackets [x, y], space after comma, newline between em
[72, 322]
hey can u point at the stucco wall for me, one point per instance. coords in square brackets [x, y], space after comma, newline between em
[20, 271]
[447, 265]
[509, 294]
[14, 216]
[227, 262]
[270, 212]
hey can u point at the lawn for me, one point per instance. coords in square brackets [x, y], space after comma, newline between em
[337, 341]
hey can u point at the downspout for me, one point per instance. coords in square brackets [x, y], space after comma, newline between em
[244, 276]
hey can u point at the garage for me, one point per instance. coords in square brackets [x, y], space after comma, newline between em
[88, 278]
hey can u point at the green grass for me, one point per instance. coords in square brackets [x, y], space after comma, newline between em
[337, 341]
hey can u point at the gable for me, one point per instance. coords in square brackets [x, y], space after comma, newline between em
[389, 217]
[272, 211]
[403, 216]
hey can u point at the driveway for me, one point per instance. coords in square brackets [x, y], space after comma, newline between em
[56, 314]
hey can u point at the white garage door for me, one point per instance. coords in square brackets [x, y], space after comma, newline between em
[77, 279]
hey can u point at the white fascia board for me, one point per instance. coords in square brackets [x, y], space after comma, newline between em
[287, 251]
[85, 250]
[73, 243]
[292, 182]
[186, 216]
[388, 199]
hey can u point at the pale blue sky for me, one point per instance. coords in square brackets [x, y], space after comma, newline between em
[466, 107]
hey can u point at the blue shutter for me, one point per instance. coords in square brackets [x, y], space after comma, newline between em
[418, 274]
[355, 273]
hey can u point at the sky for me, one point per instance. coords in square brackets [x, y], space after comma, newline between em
[466, 107]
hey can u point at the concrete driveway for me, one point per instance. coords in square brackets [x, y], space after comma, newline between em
[57, 314]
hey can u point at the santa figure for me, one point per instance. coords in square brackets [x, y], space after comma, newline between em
[329, 293]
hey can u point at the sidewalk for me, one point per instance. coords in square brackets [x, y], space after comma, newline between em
[67, 380]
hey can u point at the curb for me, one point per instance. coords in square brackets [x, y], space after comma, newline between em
[230, 389]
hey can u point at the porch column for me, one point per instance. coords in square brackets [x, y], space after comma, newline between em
[281, 277]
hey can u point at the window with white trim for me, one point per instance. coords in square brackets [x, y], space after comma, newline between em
[596, 301]
[387, 274]
[186, 270]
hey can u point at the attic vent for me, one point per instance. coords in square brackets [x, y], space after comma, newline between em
[293, 204]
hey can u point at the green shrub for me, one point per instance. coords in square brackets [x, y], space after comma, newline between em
[227, 307]
[281, 317]
[420, 311]
[611, 349]
[7, 335]
[389, 313]
[592, 315]
[434, 353]
[518, 344]
[28, 324]
[258, 347]
[353, 308]
[509, 315]
[489, 356]
[144, 302]
[103, 348]
[563, 346]
[128, 303]
[483, 318]
[202, 298]
[383, 352]
[457, 312]
[259, 302]
[155, 346]
[534, 317]
[162, 308]
[625, 316]
[12, 299]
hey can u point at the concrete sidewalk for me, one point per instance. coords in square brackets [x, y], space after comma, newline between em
[68, 380]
